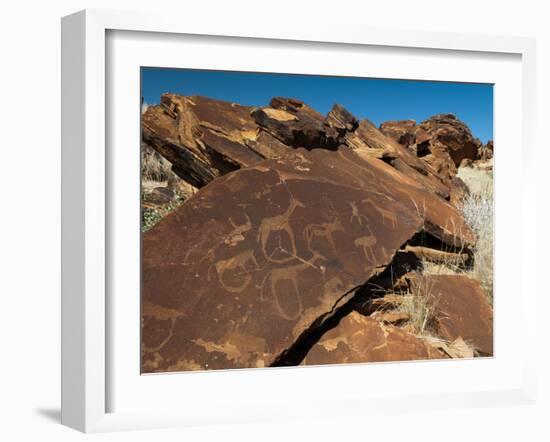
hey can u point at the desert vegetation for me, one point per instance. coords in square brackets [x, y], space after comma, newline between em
[478, 211]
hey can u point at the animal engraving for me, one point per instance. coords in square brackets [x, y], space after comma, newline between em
[236, 235]
[240, 261]
[366, 243]
[285, 274]
[279, 223]
[324, 230]
[387, 215]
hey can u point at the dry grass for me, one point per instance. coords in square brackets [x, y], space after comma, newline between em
[420, 309]
[419, 303]
[477, 209]
[479, 180]
[154, 167]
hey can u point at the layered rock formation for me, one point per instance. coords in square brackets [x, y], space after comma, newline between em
[442, 140]
[402, 131]
[299, 223]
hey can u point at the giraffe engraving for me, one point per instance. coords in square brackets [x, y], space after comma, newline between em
[279, 223]
[323, 230]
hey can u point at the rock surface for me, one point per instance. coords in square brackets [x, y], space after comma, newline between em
[444, 141]
[363, 339]
[202, 138]
[295, 124]
[205, 138]
[459, 191]
[234, 276]
[368, 141]
[402, 131]
[461, 309]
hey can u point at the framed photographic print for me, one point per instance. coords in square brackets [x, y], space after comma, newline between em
[245, 220]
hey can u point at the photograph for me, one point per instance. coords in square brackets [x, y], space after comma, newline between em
[305, 220]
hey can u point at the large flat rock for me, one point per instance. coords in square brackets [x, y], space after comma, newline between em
[234, 276]
[239, 272]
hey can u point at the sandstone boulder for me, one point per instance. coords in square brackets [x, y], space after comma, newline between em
[295, 124]
[363, 339]
[202, 138]
[368, 141]
[444, 141]
[239, 272]
[265, 254]
[402, 131]
[341, 119]
[461, 309]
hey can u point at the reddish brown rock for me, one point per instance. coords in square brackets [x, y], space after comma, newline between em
[268, 146]
[341, 119]
[234, 276]
[362, 339]
[401, 131]
[295, 124]
[239, 272]
[441, 219]
[444, 141]
[462, 310]
[205, 138]
[202, 138]
[368, 141]
[459, 191]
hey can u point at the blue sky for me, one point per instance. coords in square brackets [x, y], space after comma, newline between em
[378, 100]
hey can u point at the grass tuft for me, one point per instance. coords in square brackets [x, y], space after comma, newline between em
[478, 211]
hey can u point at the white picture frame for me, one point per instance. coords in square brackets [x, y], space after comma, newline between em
[86, 352]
